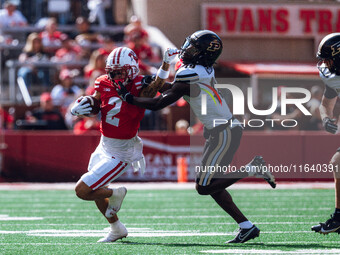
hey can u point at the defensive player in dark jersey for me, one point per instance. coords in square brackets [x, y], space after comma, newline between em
[329, 70]
[119, 145]
[196, 74]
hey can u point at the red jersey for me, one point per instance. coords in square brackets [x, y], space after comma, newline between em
[119, 120]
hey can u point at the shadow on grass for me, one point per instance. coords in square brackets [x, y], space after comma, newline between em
[240, 245]
[295, 246]
[174, 244]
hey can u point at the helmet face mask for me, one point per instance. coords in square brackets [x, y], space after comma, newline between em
[326, 67]
[189, 52]
[122, 66]
[201, 48]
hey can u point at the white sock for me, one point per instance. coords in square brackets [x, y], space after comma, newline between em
[115, 225]
[246, 224]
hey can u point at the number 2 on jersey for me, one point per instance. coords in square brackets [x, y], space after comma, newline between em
[117, 104]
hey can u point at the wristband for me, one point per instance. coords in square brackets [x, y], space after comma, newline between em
[163, 74]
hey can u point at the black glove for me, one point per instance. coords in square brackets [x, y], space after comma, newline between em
[147, 79]
[124, 93]
[330, 125]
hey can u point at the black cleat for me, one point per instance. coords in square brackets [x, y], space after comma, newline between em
[330, 226]
[262, 171]
[245, 235]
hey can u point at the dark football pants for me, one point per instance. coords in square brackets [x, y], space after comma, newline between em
[219, 150]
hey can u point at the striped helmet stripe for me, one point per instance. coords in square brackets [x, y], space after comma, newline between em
[118, 57]
[114, 57]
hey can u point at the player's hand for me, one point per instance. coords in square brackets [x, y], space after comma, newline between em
[81, 107]
[147, 79]
[124, 93]
[170, 54]
[329, 125]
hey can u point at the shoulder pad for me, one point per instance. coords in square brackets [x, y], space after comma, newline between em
[102, 81]
[186, 75]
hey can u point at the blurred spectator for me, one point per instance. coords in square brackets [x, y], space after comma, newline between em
[84, 125]
[108, 46]
[97, 11]
[10, 17]
[150, 121]
[51, 37]
[65, 93]
[197, 128]
[34, 52]
[135, 26]
[143, 52]
[84, 35]
[6, 120]
[70, 51]
[181, 127]
[47, 116]
[96, 65]
[94, 69]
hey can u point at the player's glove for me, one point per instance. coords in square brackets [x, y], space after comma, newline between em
[124, 93]
[170, 54]
[147, 79]
[329, 125]
[81, 107]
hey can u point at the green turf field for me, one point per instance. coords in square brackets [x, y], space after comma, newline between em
[165, 222]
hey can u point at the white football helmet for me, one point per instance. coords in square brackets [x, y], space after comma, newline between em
[122, 62]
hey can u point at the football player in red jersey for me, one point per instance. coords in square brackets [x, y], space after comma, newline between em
[119, 145]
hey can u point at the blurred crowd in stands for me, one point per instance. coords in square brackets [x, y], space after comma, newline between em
[60, 66]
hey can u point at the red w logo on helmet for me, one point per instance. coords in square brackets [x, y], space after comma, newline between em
[133, 56]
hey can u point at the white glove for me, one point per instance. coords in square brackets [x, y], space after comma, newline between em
[81, 107]
[170, 54]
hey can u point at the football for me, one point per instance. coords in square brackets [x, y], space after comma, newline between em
[95, 104]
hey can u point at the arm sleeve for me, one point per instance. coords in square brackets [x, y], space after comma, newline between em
[330, 93]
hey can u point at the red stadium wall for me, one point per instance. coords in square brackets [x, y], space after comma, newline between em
[62, 156]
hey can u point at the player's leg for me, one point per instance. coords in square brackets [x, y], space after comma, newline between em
[83, 191]
[93, 186]
[247, 229]
[218, 153]
[335, 161]
[333, 224]
[117, 229]
[220, 150]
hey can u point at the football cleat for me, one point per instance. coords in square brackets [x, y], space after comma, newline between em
[330, 226]
[262, 172]
[115, 201]
[119, 232]
[245, 235]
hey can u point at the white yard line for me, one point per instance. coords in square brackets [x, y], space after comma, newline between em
[167, 186]
[157, 224]
[176, 210]
[133, 232]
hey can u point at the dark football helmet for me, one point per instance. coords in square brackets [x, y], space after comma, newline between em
[201, 48]
[329, 54]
